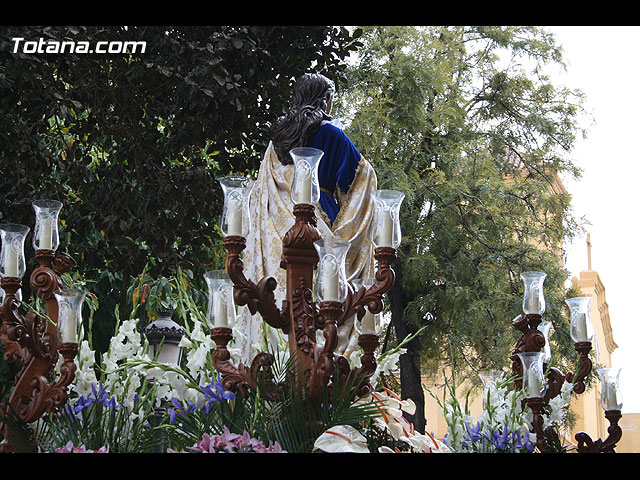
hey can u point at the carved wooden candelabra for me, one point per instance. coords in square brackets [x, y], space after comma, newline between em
[318, 366]
[31, 342]
[534, 340]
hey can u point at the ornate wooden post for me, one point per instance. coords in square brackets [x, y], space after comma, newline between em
[31, 341]
[299, 259]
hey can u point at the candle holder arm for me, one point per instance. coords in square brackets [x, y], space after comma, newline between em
[258, 298]
[241, 378]
[368, 343]
[355, 302]
[324, 366]
[584, 367]
[45, 395]
[32, 340]
[537, 405]
[587, 445]
[555, 380]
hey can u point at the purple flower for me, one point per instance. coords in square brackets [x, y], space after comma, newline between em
[178, 410]
[524, 443]
[500, 439]
[473, 433]
[100, 397]
[216, 392]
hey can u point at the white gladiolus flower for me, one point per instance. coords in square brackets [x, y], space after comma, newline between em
[86, 356]
[197, 334]
[387, 363]
[196, 359]
[128, 328]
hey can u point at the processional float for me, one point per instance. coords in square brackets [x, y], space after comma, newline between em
[300, 316]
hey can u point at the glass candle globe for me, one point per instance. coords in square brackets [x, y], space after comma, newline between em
[386, 231]
[12, 263]
[490, 377]
[370, 324]
[533, 301]
[610, 394]
[581, 326]
[331, 283]
[533, 378]
[69, 314]
[45, 234]
[305, 188]
[221, 310]
[545, 328]
[235, 220]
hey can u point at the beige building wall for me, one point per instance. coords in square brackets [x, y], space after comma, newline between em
[630, 441]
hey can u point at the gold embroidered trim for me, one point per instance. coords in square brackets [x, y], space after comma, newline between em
[323, 215]
[346, 199]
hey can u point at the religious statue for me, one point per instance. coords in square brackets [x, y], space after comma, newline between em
[345, 210]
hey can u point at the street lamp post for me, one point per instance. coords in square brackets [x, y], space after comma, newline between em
[164, 337]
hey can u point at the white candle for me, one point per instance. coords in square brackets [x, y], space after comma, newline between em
[330, 280]
[368, 323]
[10, 262]
[231, 309]
[581, 327]
[304, 186]
[534, 384]
[386, 229]
[533, 303]
[612, 398]
[235, 218]
[220, 314]
[46, 230]
[70, 326]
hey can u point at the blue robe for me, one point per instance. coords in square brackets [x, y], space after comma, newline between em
[337, 167]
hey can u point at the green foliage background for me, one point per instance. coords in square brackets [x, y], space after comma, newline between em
[132, 144]
[463, 120]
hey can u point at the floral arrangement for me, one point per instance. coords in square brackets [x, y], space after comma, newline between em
[391, 420]
[69, 448]
[126, 401]
[503, 424]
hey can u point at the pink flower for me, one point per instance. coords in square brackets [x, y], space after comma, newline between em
[234, 443]
[69, 448]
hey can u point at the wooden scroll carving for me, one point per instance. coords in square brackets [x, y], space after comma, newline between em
[31, 341]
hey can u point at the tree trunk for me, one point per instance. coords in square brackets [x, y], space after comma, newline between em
[410, 378]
